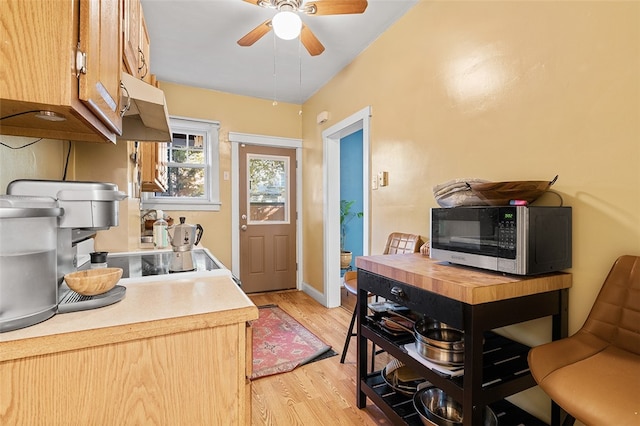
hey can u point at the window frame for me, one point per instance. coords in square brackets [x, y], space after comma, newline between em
[211, 200]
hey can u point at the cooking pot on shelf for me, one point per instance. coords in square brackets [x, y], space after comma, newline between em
[435, 341]
[435, 407]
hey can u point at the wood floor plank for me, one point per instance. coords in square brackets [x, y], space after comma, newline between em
[320, 393]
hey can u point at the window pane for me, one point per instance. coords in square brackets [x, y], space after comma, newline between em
[179, 140]
[195, 157]
[268, 186]
[185, 182]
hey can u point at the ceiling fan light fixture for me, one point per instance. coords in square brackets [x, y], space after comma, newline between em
[287, 25]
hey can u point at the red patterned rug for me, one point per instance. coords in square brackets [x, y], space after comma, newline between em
[280, 343]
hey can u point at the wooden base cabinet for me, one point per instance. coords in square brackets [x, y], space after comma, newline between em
[196, 377]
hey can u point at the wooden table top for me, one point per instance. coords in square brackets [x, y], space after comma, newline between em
[462, 283]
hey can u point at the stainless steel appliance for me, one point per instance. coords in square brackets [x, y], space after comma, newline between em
[183, 238]
[517, 240]
[28, 288]
[88, 207]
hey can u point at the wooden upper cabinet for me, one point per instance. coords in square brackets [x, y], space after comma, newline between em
[145, 48]
[64, 57]
[153, 164]
[131, 32]
[136, 41]
[100, 88]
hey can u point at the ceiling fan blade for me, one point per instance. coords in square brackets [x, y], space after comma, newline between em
[310, 41]
[335, 7]
[253, 2]
[255, 34]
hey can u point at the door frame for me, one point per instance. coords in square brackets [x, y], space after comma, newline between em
[275, 142]
[331, 141]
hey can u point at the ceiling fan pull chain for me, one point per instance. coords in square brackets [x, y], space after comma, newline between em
[275, 86]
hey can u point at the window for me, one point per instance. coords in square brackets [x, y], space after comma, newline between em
[268, 189]
[192, 168]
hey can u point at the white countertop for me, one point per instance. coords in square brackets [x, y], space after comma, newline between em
[150, 308]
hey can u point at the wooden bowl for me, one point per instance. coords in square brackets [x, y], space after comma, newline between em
[501, 193]
[93, 281]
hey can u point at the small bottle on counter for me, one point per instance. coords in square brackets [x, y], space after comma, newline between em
[160, 235]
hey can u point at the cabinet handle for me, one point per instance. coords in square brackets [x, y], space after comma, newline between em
[144, 64]
[397, 291]
[81, 62]
[128, 105]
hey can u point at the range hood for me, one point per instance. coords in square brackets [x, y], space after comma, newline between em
[147, 118]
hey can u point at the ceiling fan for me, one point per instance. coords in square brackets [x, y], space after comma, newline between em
[288, 25]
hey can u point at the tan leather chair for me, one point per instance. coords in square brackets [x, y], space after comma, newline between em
[397, 243]
[594, 375]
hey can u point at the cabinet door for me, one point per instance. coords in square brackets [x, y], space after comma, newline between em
[145, 50]
[101, 41]
[153, 166]
[131, 33]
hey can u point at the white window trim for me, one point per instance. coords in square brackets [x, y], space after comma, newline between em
[212, 152]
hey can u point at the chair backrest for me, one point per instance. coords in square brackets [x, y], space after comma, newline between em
[615, 315]
[399, 243]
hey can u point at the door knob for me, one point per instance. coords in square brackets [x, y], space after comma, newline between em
[243, 227]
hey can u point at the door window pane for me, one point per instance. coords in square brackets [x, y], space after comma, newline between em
[268, 180]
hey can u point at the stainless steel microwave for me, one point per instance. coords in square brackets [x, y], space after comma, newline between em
[520, 240]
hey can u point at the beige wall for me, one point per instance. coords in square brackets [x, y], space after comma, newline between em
[236, 114]
[42, 160]
[501, 91]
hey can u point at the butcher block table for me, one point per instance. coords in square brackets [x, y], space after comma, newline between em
[473, 300]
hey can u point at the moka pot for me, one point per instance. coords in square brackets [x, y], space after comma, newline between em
[183, 238]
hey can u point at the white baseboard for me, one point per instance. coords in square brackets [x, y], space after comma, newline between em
[314, 293]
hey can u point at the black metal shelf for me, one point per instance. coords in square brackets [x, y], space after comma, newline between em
[505, 367]
[401, 411]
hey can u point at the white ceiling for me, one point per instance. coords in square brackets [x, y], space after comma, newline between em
[194, 42]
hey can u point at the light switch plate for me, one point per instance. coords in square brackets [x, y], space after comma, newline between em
[383, 178]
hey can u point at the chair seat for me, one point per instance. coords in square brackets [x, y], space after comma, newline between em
[350, 282]
[594, 375]
[604, 381]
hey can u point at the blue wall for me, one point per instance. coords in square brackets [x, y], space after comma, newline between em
[351, 188]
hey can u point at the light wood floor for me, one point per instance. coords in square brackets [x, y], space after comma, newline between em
[320, 393]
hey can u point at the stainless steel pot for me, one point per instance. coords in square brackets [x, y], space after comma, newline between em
[440, 355]
[435, 407]
[439, 334]
[436, 341]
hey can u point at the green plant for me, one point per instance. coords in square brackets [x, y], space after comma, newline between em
[346, 215]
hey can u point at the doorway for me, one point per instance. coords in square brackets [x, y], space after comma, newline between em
[240, 141]
[331, 171]
[267, 211]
